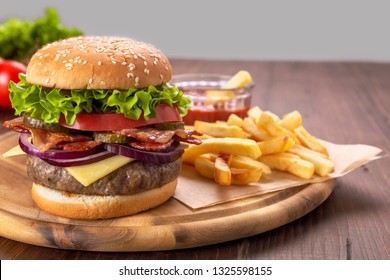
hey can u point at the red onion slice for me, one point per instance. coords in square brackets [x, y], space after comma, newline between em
[80, 161]
[30, 149]
[146, 156]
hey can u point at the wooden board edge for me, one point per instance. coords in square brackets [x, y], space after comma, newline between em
[165, 237]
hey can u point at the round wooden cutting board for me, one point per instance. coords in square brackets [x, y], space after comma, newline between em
[169, 226]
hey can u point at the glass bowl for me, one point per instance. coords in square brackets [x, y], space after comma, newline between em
[209, 101]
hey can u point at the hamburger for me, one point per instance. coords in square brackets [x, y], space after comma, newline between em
[101, 127]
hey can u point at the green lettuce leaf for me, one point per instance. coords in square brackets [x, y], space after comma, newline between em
[48, 104]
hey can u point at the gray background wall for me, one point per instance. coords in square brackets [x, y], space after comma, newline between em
[244, 29]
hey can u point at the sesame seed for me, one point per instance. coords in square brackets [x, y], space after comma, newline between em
[90, 81]
[99, 62]
[161, 77]
[131, 66]
[124, 63]
[69, 66]
[130, 75]
[136, 81]
[146, 71]
[102, 83]
[53, 73]
[47, 80]
[145, 63]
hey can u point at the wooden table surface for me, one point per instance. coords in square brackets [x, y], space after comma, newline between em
[346, 103]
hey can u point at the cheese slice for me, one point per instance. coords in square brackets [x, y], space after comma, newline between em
[89, 173]
[15, 151]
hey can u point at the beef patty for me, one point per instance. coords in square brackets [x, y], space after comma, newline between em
[131, 178]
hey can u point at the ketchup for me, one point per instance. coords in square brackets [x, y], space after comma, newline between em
[213, 115]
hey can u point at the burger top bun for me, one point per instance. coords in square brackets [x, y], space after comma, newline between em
[89, 62]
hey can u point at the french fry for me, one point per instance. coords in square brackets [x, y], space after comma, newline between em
[241, 162]
[216, 96]
[200, 137]
[256, 132]
[220, 129]
[291, 120]
[322, 165]
[204, 166]
[227, 145]
[245, 176]
[222, 173]
[290, 163]
[273, 115]
[235, 120]
[267, 122]
[276, 145]
[207, 166]
[309, 141]
[240, 79]
[254, 113]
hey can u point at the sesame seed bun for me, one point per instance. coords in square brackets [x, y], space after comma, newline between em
[89, 62]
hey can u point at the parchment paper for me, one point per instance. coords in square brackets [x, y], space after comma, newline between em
[198, 192]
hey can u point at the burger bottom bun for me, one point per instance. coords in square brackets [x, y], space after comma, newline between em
[79, 206]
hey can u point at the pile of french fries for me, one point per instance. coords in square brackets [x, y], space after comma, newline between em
[240, 150]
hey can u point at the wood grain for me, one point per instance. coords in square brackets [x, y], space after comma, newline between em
[170, 226]
[340, 102]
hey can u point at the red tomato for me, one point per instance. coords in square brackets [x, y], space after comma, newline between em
[112, 121]
[9, 71]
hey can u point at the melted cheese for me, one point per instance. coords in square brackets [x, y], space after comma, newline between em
[89, 173]
[15, 151]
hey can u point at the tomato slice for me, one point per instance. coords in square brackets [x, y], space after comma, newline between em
[113, 121]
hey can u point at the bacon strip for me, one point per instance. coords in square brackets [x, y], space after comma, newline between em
[79, 146]
[151, 146]
[148, 134]
[17, 125]
[148, 138]
[45, 140]
[187, 136]
[152, 135]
